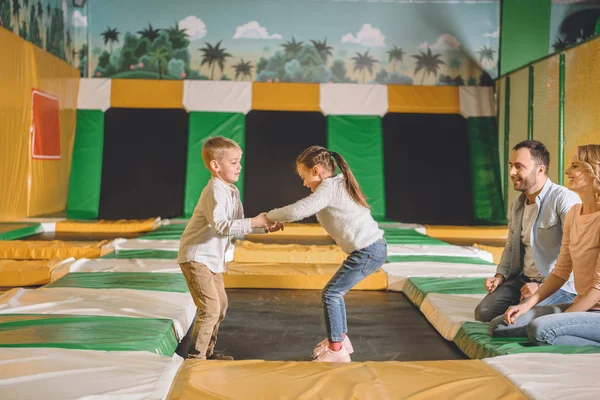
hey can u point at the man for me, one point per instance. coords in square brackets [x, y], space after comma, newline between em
[535, 221]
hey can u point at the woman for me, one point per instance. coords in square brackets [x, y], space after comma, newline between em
[576, 324]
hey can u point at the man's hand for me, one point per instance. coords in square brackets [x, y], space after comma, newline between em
[492, 283]
[528, 290]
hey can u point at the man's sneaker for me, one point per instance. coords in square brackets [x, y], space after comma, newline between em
[325, 342]
[219, 356]
[328, 355]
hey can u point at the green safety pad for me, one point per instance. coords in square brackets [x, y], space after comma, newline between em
[202, 126]
[17, 230]
[86, 166]
[142, 253]
[439, 259]
[410, 236]
[351, 136]
[162, 282]
[488, 203]
[417, 288]
[475, 341]
[165, 232]
[88, 333]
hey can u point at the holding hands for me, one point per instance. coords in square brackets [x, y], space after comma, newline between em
[261, 221]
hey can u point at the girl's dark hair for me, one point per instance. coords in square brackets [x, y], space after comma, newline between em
[328, 159]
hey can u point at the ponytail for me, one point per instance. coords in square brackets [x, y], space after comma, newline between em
[328, 159]
[350, 182]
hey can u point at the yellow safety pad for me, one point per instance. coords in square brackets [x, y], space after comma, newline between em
[17, 74]
[50, 178]
[464, 379]
[476, 232]
[146, 93]
[496, 251]
[301, 230]
[120, 226]
[423, 99]
[32, 272]
[291, 276]
[48, 250]
[582, 98]
[249, 252]
[285, 96]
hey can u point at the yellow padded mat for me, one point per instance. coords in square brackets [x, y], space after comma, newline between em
[291, 276]
[249, 252]
[297, 230]
[482, 232]
[32, 272]
[102, 226]
[496, 251]
[43, 250]
[464, 379]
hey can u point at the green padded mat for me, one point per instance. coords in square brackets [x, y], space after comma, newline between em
[88, 333]
[439, 259]
[86, 166]
[475, 341]
[18, 230]
[161, 282]
[418, 287]
[165, 232]
[144, 253]
[409, 236]
[350, 135]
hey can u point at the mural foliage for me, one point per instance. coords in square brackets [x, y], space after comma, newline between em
[296, 41]
[53, 25]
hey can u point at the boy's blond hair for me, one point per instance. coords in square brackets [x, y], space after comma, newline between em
[215, 148]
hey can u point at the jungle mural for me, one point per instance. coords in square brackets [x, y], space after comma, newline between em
[54, 25]
[339, 41]
[296, 41]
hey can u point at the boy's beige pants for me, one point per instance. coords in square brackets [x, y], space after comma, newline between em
[208, 291]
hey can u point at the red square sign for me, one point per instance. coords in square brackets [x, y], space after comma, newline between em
[45, 130]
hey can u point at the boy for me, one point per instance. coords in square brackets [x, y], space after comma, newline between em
[218, 216]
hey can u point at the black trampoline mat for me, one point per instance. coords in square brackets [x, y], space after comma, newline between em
[285, 325]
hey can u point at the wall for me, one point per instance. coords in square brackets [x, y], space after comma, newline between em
[33, 186]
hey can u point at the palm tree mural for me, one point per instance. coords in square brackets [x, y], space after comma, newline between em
[323, 49]
[454, 65]
[160, 57]
[560, 45]
[429, 63]
[214, 55]
[150, 33]
[83, 51]
[486, 54]
[16, 8]
[396, 55]
[292, 48]
[364, 62]
[243, 68]
[178, 37]
[110, 36]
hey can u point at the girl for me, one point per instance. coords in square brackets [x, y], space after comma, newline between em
[576, 324]
[342, 210]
